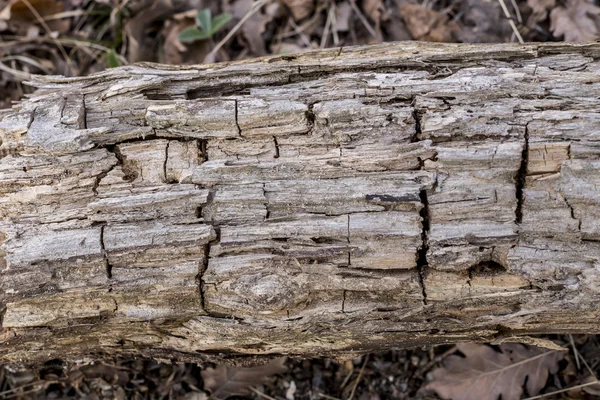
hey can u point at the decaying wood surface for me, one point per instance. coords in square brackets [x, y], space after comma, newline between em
[327, 203]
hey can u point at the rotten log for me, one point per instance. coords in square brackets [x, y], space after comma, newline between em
[326, 203]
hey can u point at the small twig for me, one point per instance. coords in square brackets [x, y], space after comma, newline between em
[49, 32]
[306, 24]
[517, 11]
[575, 352]
[26, 60]
[255, 7]
[510, 21]
[325, 34]
[85, 16]
[19, 74]
[439, 358]
[299, 31]
[360, 373]
[19, 394]
[363, 19]
[541, 396]
[346, 379]
[115, 11]
[64, 14]
[80, 44]
[591, 371]
[326, 396]
[261, 394]
[38, 382]
[334, 32]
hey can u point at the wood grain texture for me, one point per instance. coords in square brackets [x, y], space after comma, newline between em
[327, 203]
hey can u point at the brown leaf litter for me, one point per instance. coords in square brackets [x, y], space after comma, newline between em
[486, 374]
[224, 382]
[578, 21]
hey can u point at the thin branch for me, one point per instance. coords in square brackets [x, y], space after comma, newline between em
[19, 74]
[326, 29]
[49, 32]
[541, 396]
[257, 6]
[511, 22]
[261, 394]
[364, 21]
[575, 352]
[328, 397]
[517, 11]
[360, 374]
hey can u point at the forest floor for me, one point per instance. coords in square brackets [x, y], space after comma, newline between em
[79, 37]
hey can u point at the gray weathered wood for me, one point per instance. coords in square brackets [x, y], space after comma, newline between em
[332, 202]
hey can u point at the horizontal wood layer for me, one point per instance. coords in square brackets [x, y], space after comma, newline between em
[325, 203]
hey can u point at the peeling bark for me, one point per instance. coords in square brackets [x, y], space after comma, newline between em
[326, 203]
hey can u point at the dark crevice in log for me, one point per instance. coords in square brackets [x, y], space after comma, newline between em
[107, 264]
[343, 301]
[31, 118]
[237, 124]
[116, 303]
[128, 174]
[203, 148]
[83, 114]
[276, 147]
[504, 331]
[111, 145]
[99, 177]
[417, 114]
[422, 254]
[572, 211]
[266, 203]
[113, 149]
[202, 267]
[310, 116]
[521, 178]
[349, 251]
[469, 278]
[166, 180]
[487, 268]
[2, 312]
[424, 213]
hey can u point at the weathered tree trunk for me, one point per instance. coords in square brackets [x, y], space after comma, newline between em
[327, 203]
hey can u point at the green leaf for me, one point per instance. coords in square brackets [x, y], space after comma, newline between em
[203, 20]
[111, 59]
[219, 21]
[192, 34]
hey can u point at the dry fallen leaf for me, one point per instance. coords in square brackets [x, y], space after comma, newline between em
[141, 47]
[594, 388]
[428, 25]
[483, 21]
[539, 6]
[225, 382]
[373, 9]
[254, 26]
[300, 9]
[175, 52]
[540, 9]
[18, 12]
[485, 374]
[577, 22]
[343, 15]
[393, 23]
